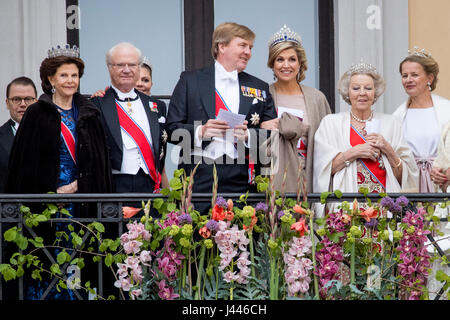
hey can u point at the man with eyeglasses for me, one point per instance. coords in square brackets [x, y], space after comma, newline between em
[20, 93]
[133, 124]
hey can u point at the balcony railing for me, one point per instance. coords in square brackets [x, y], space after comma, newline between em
[108, 211]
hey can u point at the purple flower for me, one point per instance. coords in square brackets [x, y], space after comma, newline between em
[185, 218]
[280, 214]
[387, 202]
[396, 208]
[402, 201]
[261, 206]
[221, 202]
[373, 223]
[212, 225]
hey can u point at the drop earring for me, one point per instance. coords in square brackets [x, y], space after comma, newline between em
[429, 85]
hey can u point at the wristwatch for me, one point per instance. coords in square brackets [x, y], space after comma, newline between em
[346, 162]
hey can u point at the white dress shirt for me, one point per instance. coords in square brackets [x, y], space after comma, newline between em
[227, 84]
[132, 160]
[16, 126]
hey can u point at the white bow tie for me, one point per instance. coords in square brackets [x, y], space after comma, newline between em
[225, 75]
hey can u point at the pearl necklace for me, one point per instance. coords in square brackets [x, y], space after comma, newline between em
[361, 120]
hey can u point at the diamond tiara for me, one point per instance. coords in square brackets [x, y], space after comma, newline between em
[146, 61]
[421, 53]
[285, 34]
[73, 52]
[361, 67]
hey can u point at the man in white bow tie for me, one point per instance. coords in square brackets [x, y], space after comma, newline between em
[196, 102]
[133, 123]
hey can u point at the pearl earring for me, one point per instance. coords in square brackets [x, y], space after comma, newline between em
[429, 85]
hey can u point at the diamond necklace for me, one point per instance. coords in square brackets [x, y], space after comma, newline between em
[360, 120]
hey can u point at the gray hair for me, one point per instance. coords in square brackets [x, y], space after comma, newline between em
[344, 83]
[123, 45]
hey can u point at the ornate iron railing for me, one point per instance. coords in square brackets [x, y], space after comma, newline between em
[109, 212]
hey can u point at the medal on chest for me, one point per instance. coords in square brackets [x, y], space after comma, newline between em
[129, 108]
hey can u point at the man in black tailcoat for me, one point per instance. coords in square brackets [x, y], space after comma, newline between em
[134, 125]
[20, 93]
[196, 101]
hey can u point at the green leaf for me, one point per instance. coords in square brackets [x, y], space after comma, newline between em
[364, 191]
[41, 218]
[178, 173]
[76, 239]
[22, 242]
[109, 260]
[8, 272]
[335, 237]
[441, 276]
[157, 203]
[338, 194]
[98, 226]
[171, 207]
[55, 269]
[324, 196]
[175, 184]
[62, 257]
[11, 234]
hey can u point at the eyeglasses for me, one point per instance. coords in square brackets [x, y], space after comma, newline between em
[122, 66]
[18, 100]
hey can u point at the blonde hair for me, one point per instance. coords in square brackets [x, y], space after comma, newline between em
[429, 65]
[276, 50]
[225, 32]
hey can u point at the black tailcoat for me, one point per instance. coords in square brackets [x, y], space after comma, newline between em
[110, 119]
[193, 99]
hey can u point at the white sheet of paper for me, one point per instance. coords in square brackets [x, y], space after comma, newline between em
[233, 119]
[294, 112]
[373, 126]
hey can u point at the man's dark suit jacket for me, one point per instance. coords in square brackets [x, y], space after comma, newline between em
[110, 118]
[6, 142]
[193, 99]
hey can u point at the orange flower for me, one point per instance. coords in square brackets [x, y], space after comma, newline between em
[252, 223]
[205, 232]
[218, 213]
[300, 226]
[368, 214]
[128, 212]
[229, 204]
[297, 208]
[346, 218]
[355, 207]
[229, 215]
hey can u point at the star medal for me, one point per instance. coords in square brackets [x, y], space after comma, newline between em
[255, 119]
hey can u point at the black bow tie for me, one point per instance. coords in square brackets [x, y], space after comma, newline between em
[128, 99]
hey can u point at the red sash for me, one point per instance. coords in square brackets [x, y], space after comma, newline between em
[137, 134]
[69, 141]
[373, 167]
[220, 104]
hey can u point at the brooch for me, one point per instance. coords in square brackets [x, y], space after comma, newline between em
[255, 119]
[154, 106]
